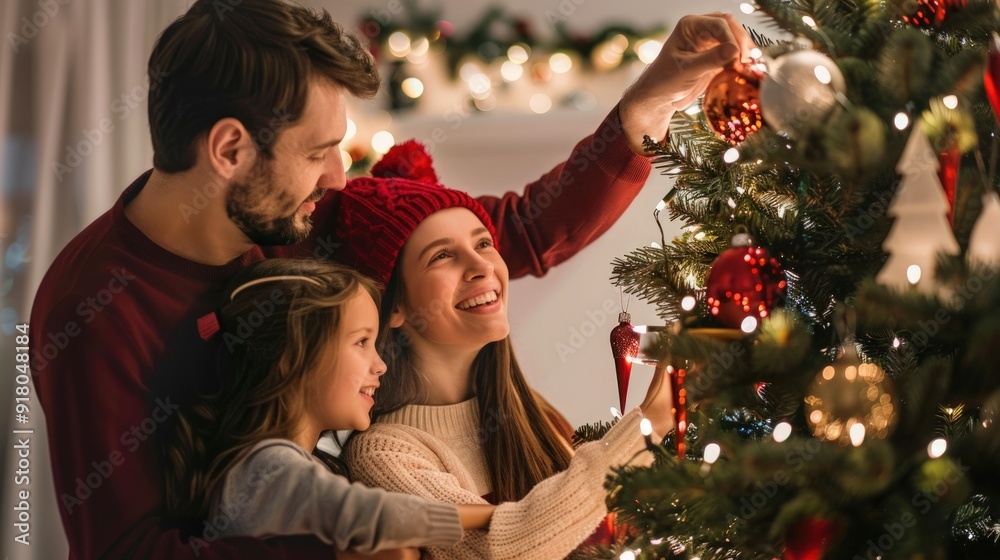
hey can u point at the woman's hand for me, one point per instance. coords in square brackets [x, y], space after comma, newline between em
[696, 50]
[657, 407]
[475, 516]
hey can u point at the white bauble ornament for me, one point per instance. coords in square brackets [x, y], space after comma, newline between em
[799, 90]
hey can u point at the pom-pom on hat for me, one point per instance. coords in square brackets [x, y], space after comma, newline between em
[376, 215]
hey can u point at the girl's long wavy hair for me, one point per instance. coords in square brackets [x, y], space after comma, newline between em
[274, 333]
[521, 444]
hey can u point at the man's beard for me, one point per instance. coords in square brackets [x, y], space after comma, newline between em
[255, 206]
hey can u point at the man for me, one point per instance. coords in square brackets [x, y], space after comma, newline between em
[246, 115]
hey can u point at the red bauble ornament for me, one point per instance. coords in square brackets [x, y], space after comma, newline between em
[930, 13]
[744, 282]
[732, 105]
[809, 538]
[624, 348]
[991, 75]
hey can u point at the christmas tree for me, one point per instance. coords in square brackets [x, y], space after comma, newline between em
[833, 411]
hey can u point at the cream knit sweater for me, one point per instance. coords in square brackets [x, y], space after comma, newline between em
[436, 452]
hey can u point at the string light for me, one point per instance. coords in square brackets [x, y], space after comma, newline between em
[648, 50]
[756, 52]
[748, 325]
[747, 8]
[560, 63]
[688, 303]
[412, 87]
[913, 273]
[782, 431]
[731, 155]
[352, 129]
[511, 70]
[901, 121]
[809, 21]
[823, 74]
[712, 453]
[518, 53]
[540, 103]
[382, 141]
[950, 101]
[937, 448]
[857, 433]
[646, 427]
[399, 44]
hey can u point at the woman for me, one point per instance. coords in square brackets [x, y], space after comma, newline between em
[455, 418]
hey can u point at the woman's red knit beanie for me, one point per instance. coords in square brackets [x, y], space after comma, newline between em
[376, 215]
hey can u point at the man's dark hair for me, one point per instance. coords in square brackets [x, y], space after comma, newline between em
[251, 60]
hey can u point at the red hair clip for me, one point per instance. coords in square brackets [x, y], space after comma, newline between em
[208, 326]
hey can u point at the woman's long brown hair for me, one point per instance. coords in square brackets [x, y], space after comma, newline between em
[521, 445]
[274, 333]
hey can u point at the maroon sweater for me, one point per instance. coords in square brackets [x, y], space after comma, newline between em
[115, 346]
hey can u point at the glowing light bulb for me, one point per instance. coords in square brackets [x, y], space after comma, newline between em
[627, 555]
[913, 273]
[540, 103]
[823, 74]
[950, 101]
[688, 303]
[399, 44]
[781, 431]
[937, 448]
[412, 87]
[809, 21]
[352, 129]
[382, 141]
[747, 8]
[748, 325]
[712, 452]
[896, 342]
[756, 53]
[560, 63]
[857, 434]
[511, 70]
[731, 155]
[648, 50]
[646, 427]
[518, 53]
[901, 121]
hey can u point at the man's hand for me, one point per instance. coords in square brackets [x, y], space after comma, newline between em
[698, 47]
[394, 554]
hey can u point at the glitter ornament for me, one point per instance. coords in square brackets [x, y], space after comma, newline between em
[850, 401]
[744, 282]
[624, 349]
[732, 105]
[799, 91]
[930, 13]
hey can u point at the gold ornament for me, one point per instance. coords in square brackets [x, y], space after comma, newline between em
[850, 401]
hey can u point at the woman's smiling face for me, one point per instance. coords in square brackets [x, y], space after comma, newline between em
[456, 282]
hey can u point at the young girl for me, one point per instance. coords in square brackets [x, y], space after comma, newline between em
[456, 420]
[300, 337]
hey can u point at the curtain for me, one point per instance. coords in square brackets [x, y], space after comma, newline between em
[74, 134]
